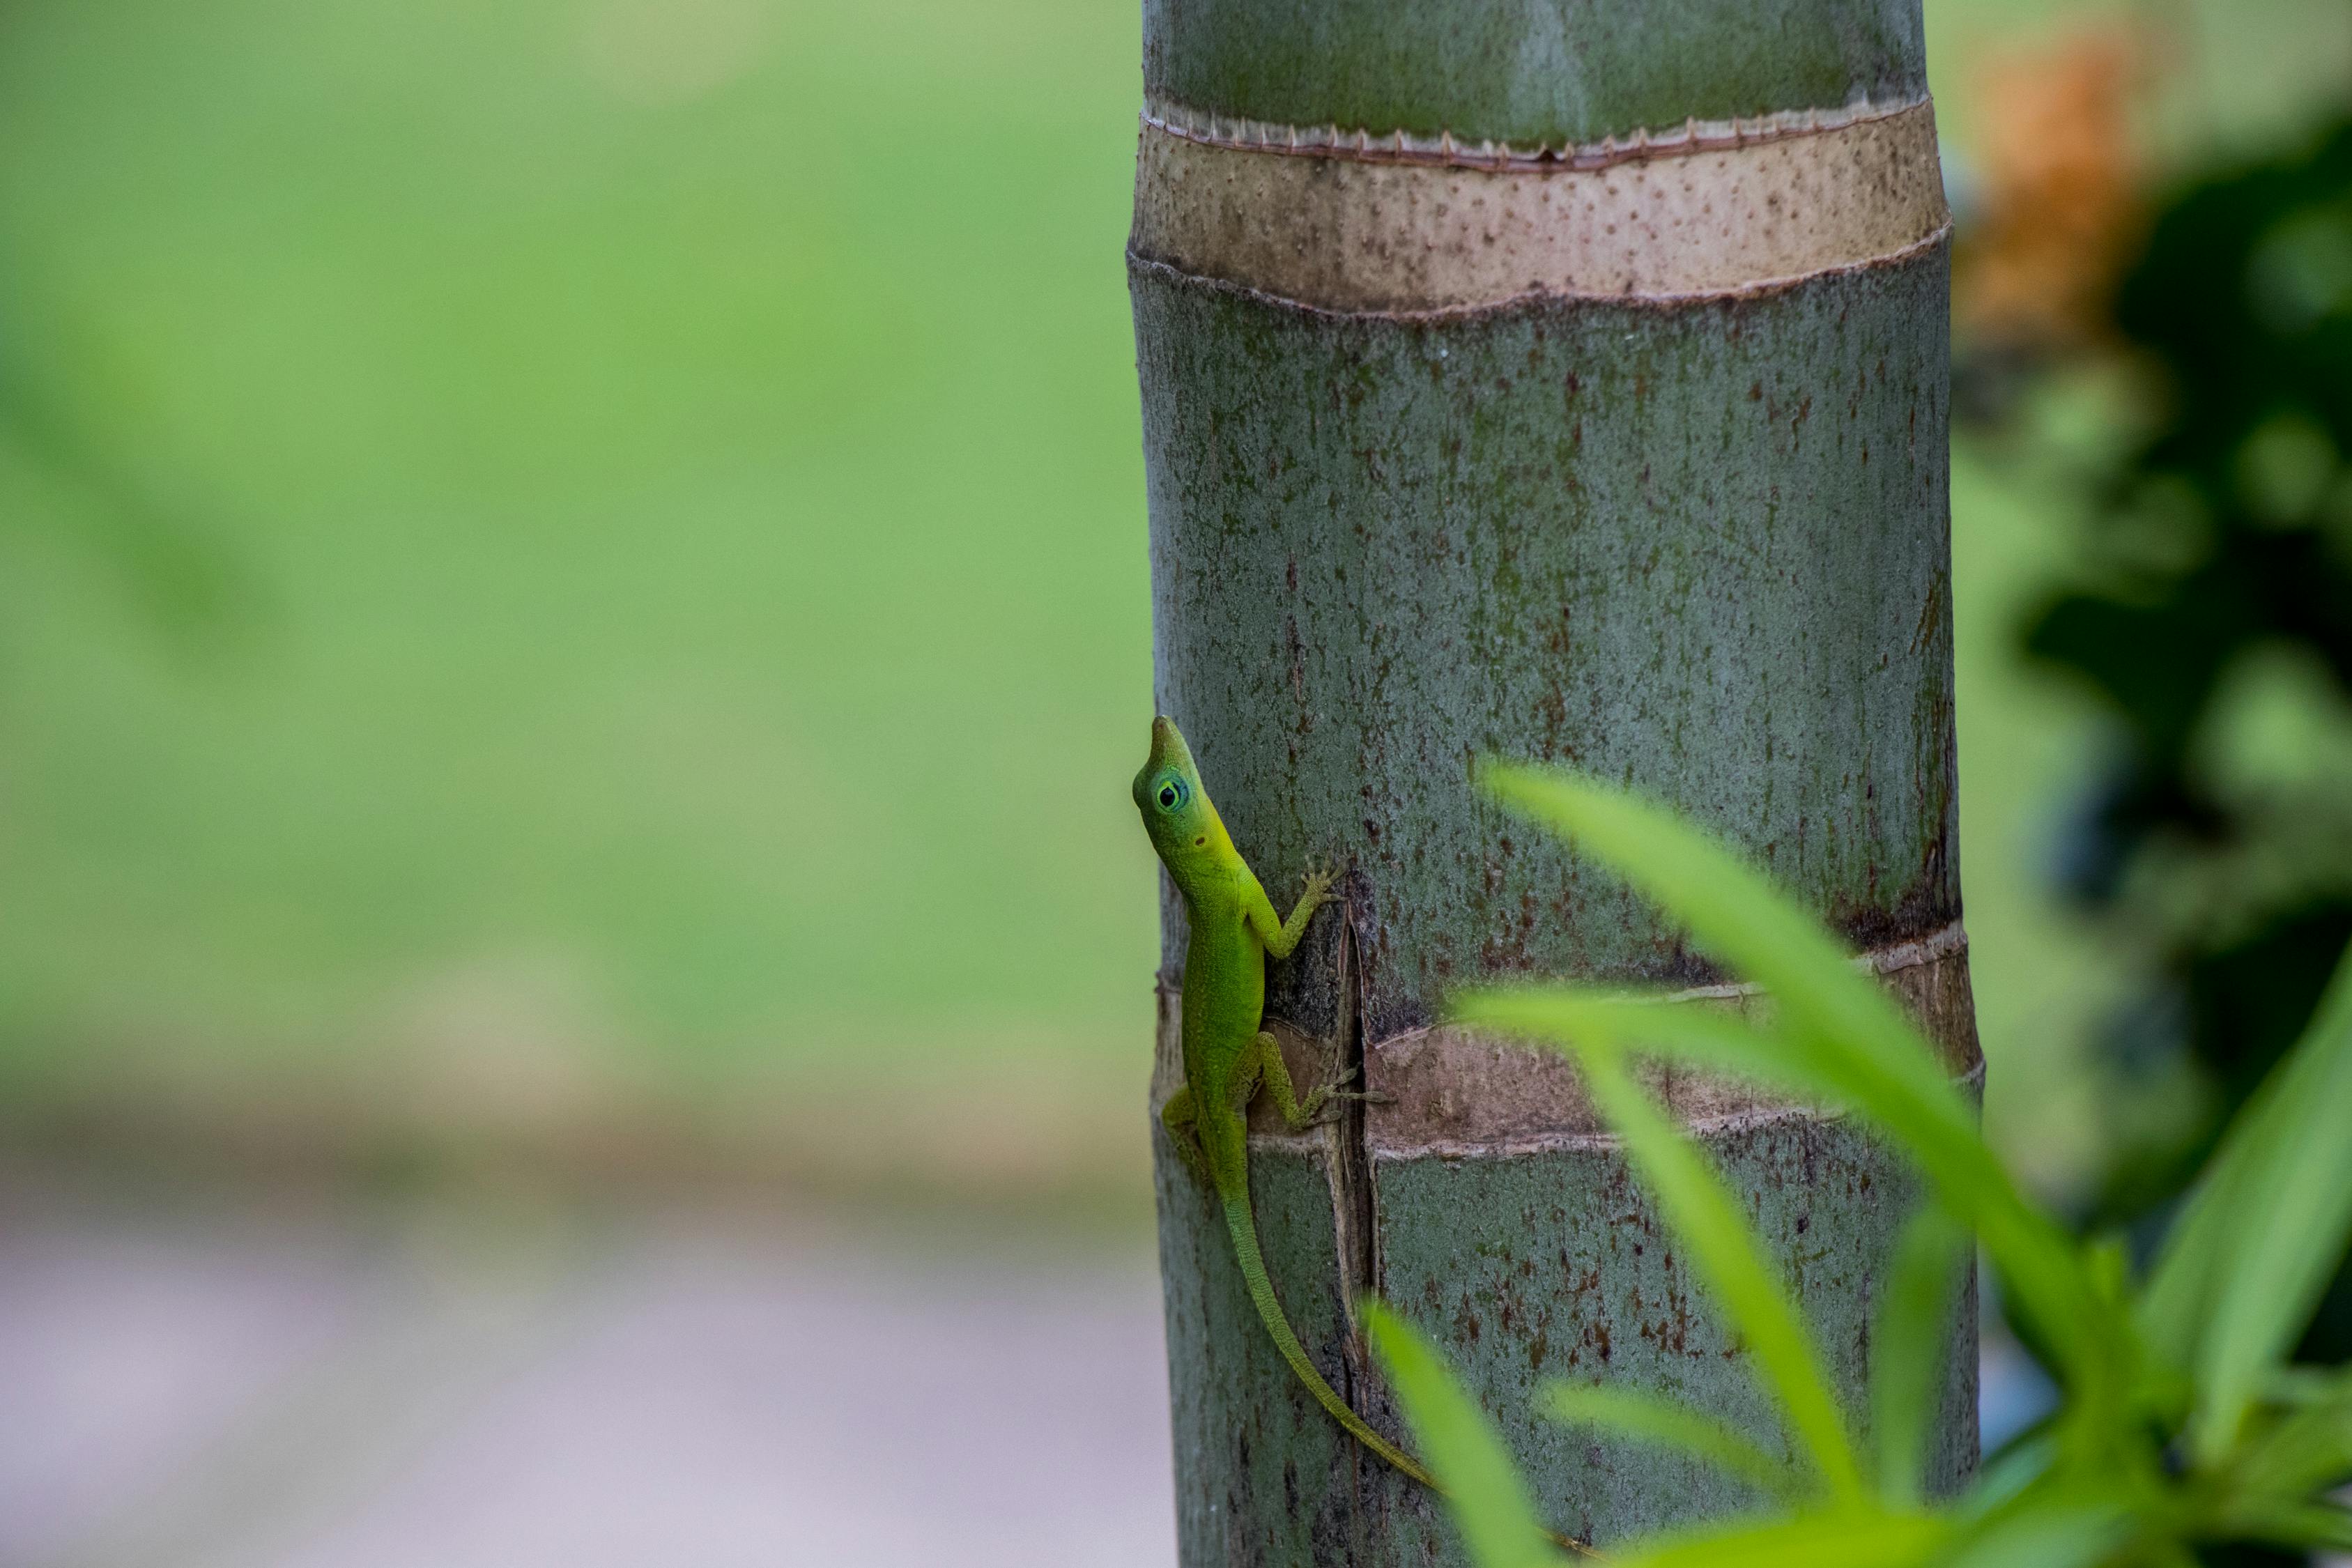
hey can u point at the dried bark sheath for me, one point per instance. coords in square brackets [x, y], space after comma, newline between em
[1565, 381]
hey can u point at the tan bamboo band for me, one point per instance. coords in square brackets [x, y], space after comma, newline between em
[1454, 1093]
[1351, 221]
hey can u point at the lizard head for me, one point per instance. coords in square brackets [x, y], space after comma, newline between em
[1183, 825]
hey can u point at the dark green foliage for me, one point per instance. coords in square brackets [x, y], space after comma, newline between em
[2224, 533]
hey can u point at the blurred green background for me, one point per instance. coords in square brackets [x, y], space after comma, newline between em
[593, 606]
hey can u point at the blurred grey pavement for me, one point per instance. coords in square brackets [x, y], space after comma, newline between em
[504, 1385]
[500, 1382]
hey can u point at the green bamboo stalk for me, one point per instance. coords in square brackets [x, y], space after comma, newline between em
[1566, 382]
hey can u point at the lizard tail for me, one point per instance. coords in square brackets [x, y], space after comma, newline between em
[1243, 1225]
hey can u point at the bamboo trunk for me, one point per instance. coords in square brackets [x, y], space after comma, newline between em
[1565, 381]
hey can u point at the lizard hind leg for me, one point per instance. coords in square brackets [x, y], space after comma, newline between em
[1182, 1116]
[1267, 1069]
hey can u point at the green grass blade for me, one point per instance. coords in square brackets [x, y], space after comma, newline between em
[1910, 1349]
[2265, 1231]
[1483, 1488]
[1661, 1423]
[1704, 1214]
[1846, 1539]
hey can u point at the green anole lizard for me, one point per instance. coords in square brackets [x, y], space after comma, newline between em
[1227, 1057]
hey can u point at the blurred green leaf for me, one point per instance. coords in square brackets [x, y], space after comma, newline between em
[1910, 1349]
[1793, 1059]
[1703, 1212]
[1699, 1035]
[2057, 1534]
[2265, 1228]
[2261, 1238]
[1483, 1489]
[2296, 1524]
[2303, 1447]
[1835, 1031]
[1846, 1539]
[1746, 922]
[2009, 1471]
[2030, 1248]
[2177, 1305]
[1649, 1418]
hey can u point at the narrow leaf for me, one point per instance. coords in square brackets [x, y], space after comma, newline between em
[1483, 1489]
[2303, 1449]
[1702, 1035]
[2274, 1480]
[2264, 1231]
[1661, 1423]
[1860, 1538]
[1795, 1061]
[1968, 1180]
[1842, 1029]
[2298, 1526]
[1738, 916]
[1910, 1349]
[2068, 1534]
[1706, 1217]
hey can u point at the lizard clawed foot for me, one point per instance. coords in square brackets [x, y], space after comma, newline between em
[1336, 1088]
[1327, 1097]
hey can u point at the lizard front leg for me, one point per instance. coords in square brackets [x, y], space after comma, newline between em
[1282, 937]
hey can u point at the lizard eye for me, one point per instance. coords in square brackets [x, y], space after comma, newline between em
[1171, 793]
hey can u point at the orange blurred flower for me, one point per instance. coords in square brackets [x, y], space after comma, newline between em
[2060, 208]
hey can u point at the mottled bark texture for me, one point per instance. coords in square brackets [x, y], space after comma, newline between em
[1565, 381]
